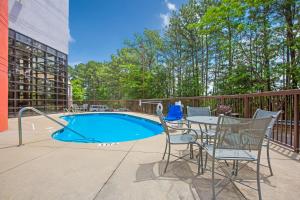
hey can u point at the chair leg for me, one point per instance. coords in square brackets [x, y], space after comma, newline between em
[168, 159]
[237, 168]
[201, 159]
[226, 163]
[268, 158]
[191, 151]
[165, 150]
[233, 167]
[213, 180]
[205, 164]
[258, 180]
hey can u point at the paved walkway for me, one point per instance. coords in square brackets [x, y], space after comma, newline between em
[44, 168]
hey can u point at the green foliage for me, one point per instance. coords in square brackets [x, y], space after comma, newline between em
[209, 47]
[77, 90]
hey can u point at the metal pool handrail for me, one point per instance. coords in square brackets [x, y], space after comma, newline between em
[41, 113]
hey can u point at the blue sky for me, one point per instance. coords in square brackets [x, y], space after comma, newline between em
[99, 27]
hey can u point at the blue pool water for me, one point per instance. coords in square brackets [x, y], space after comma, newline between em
[106, 128]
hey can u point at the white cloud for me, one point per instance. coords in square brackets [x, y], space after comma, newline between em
[165, 19]
[74, 63]
[170, 6]
[166, 16]
[71, 39]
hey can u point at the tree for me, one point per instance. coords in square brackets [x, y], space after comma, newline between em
[210, 47]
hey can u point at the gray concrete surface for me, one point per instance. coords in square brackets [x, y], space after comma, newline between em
[44, 168]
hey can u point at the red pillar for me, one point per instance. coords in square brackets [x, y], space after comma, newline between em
[3, 65]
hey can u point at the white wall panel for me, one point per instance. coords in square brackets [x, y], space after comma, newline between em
[46, 21]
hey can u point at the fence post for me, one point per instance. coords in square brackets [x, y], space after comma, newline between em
[296, 122]
[246, 106]
[222, 100]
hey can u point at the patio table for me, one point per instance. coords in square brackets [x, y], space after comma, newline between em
[206, 120]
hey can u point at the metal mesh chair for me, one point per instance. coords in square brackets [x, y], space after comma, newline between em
[198, 111]
[263, 114]
[175, 139]
[237, 140]
[174, 114]
[201, 111]
[75, 108]
[85, 107]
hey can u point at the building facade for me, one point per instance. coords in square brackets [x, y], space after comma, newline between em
[3, 64]
[38, 55]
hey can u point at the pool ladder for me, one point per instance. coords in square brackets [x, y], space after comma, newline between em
[41, 113]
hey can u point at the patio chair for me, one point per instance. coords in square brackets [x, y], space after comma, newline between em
[85, 107]
[237, 140]
[75, 108]
[200, 111]
[176, 139]
[175, 113]
[263, 114]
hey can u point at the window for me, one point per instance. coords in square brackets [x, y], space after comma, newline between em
[37, 75]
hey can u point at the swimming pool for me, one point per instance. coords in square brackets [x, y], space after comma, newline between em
[106, 128]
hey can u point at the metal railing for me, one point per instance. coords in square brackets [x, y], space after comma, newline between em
[286, 131]
[41, 113]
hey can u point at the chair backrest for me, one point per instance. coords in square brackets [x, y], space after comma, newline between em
[175, 112]
[240, 133]
[163, 123]
[198, 111]
[75, 107]
[259, 113]
[85, 106]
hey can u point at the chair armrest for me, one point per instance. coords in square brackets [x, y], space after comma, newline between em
[178, 123]
[188, 130]
[213, 112]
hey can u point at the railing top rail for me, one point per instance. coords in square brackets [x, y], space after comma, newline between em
[41, 113]
[235, 96]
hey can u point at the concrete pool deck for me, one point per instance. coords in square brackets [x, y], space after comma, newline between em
[44, 168]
